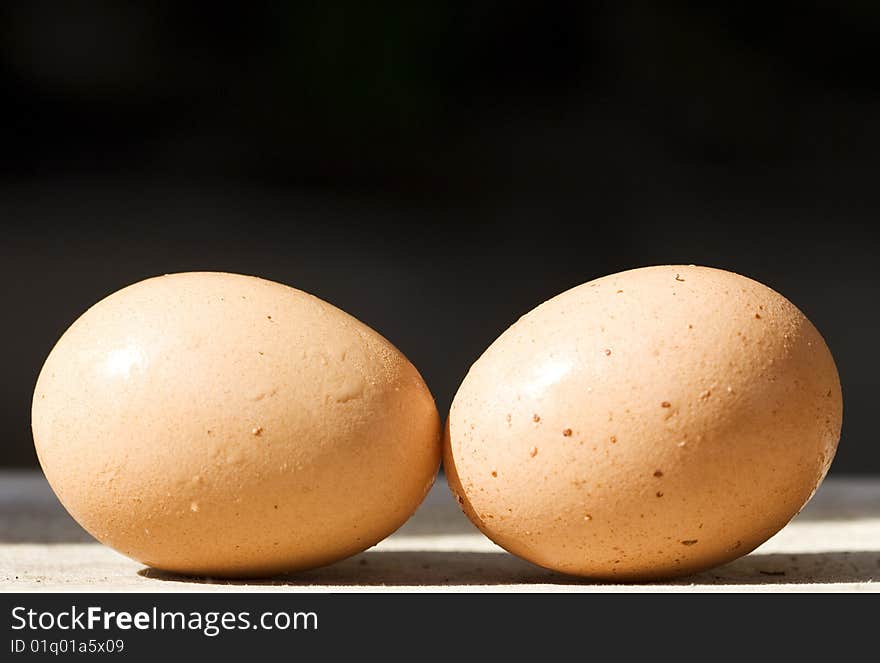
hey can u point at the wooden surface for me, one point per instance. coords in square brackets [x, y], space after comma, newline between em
[833, 545]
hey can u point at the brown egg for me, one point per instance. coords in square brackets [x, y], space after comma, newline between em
[217, 424]
[648, 424]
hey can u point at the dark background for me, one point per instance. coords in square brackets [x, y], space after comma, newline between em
[440, 168]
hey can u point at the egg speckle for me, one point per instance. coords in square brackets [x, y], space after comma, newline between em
[225, 425]
[697, 414]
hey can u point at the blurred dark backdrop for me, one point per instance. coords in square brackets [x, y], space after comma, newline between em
[440, 168]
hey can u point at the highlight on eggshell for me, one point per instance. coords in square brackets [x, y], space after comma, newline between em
[648, 424]
[225, 425]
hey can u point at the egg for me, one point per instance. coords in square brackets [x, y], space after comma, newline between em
[224, 425]
[648, 424]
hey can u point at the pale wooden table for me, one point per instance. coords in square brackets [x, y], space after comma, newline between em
[833, 545]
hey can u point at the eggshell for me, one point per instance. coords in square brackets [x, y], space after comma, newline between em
[224, 425]
[647, 424]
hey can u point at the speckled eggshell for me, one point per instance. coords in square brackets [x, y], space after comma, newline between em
[647, 424]
[225, 425]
